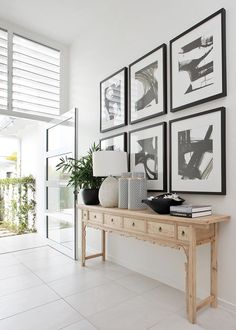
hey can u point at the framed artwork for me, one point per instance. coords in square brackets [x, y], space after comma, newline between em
[113, 101]
[115, 143]
[198, 63]
[147, 86]
[197, 153]
[147, 149]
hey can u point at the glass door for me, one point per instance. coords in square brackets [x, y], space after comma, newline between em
[61, 211]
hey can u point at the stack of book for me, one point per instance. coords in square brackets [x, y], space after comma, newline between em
[191, 211]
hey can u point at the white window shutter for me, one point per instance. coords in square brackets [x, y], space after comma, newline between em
[35, 77]
[3, 69]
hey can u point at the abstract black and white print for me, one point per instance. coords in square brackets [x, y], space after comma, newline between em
[148, 157]
[195, 153]
[114, 143]
[147, 148]
[147, 86]
[112, 97]
[198, 63]
[147, 77]
[113, 101]
[195, 58]
[111, 148]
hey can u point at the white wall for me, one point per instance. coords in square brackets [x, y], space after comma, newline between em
[128, 30]
[33, 146]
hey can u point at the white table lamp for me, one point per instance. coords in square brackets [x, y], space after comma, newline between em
[109, 164]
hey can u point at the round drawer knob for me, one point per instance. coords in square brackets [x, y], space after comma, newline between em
[183, 233]
[133, 224]
[160, 229]
[95, 217]
[112, 219]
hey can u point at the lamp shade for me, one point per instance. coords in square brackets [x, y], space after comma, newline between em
[107, 163]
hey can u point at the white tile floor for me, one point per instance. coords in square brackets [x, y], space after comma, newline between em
[41, 289]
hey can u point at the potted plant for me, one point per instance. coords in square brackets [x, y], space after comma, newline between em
[81, 175]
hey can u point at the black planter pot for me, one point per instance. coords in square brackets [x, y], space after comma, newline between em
[90, 196]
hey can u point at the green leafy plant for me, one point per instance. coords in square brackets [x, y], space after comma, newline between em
[17, 204]
[80, 170]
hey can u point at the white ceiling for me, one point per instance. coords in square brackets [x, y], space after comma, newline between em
[61, 20]
[56, 19]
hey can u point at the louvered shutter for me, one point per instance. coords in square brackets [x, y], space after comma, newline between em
[35, 77]
[3, 69]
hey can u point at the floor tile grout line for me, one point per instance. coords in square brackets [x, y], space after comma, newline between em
[78, 322]
[5, 278]
[61, 298]
[120, 303]
[30, 309]
[45, 267]
[143, 292]
[161, 320]
[31, 287]
[35, 286]
[82, 291]
[115, 305]
[15, 251]
[89, 269]
[97, 286]
[96, 312]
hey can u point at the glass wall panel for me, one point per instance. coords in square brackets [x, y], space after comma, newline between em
[52, 173]
[61, 136]
[60, 199]
[61, 231]
[61, 212]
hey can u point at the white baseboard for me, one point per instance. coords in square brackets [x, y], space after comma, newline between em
[227, 305]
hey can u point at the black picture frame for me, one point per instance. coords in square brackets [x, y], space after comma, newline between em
[110, 82]
[218, 177]
[123, 136]
[216, 86]
[156, 110]
[159, 185]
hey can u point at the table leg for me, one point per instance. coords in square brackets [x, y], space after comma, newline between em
[214, 266]
[103, 245]
[186, 285]
[83, 244]
[191, 278]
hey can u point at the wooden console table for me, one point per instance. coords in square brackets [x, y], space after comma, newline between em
[174, 232]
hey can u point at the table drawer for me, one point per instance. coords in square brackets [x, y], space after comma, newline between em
[96, 217]
[161, 229]
[85, 215]
[136, 225]
[113, 221]
[183, 233]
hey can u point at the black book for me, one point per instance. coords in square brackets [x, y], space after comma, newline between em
[190, 214]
